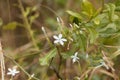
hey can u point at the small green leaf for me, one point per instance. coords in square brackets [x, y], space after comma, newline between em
[88, 8]
[45, 60]
[10, 26]
[27, 12]
[96, 21]
[74, 14]
[111, 10]
[32, 18]
[93, 35]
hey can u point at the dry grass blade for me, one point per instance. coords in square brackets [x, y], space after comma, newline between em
[2, 62]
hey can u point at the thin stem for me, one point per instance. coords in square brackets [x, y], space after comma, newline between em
[60, 59]
[28, 26]
[79, 67]
[46, 36]
[9, 12]
[103, 2]
[57, 73]
[11, 77]
[20, 67]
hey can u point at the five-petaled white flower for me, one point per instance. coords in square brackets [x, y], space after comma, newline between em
[74, 57]
[59, 39]
[12, 71]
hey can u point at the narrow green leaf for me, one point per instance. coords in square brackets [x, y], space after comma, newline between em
[74, 14]
[45, 60]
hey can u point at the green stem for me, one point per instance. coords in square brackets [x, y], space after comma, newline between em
[79, 67]
[11, 77]
[28, 26]
[103, 2]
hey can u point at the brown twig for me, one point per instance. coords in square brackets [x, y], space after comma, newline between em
[2, 62]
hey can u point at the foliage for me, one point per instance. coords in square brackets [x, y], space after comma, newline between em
[86, 48]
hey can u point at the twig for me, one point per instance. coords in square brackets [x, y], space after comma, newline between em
[56, 72]
[2, 62]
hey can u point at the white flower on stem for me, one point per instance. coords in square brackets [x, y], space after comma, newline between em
[59, 39]
[12, 71]
[74, 57]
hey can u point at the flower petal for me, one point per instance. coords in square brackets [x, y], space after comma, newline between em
[61, 42]
[9, 69]
[74, 60]
[9, 73]
[17, 72]
[63, 39]
[55, 37]
[56, 41]
[76, 53]
[60, 36]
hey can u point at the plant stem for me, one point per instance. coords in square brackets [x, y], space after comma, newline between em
[79, 67]
[103, 2]
[28, 26]
[60, 59]
[20, 67]
[11, 77]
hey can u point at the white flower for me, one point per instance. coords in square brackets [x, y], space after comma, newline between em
[74, 57]
[12, 71]
[59, 39]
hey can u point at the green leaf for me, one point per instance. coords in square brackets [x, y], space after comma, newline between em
[109, 26]
[93, 35]
[74, 14]
[45, 60]
[32, 18]
[111, 11]
[10, 26]
[27, 12]
[88, 8]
